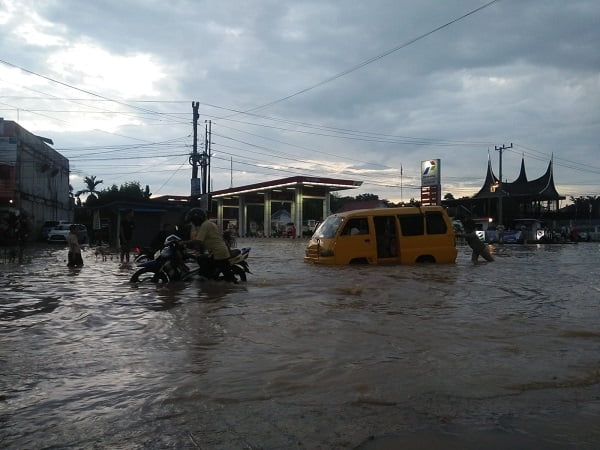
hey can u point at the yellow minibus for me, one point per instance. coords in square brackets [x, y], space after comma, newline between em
[405, 235]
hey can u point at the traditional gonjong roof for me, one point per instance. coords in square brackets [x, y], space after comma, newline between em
[541, 188]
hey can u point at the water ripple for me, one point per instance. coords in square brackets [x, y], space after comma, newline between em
[88, 359]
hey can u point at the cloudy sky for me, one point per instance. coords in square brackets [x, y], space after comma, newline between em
[347, 89]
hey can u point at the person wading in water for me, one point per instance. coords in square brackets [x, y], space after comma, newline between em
[479, 247]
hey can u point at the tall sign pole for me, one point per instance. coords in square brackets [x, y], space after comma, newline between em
[500, 190]
[401, 196]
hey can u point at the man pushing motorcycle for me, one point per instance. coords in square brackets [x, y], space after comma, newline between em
[205, 236]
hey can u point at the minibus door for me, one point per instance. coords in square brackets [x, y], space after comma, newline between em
[356, 243]
[386, 235]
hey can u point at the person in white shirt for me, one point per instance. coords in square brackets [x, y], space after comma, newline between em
[74, 256]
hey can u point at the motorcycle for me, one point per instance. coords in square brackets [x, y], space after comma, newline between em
[173, 264]
[143, 255]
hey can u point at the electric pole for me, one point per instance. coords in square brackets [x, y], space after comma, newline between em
[194, 157]
[205, 168]
[499, 189]
[205, 161]
[209, 154]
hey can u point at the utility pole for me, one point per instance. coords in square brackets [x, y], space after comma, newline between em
[206, 157]
[499, 189]
[204, 184]
[194, 157]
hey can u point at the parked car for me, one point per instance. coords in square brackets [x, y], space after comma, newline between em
[60, 232]
[309, 227]
[50, 224]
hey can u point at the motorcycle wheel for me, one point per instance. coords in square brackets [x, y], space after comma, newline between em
[145, 275]
[238, 271]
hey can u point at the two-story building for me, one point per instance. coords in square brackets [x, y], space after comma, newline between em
[34, 178]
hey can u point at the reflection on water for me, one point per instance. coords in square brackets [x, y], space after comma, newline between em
[23, 308]
[304, 356]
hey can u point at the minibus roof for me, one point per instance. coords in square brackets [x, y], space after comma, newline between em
[388, 211]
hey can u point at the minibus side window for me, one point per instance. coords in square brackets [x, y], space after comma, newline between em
[356, 226]
[411, 224]
[435, 223]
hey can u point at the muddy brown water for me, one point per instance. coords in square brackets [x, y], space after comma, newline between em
[493, 355]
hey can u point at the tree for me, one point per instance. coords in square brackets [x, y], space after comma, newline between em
[337, 202]
[583, 207]
[129, 191]
[132, 190]
[367, 197]
[91, 183]
[448, 196]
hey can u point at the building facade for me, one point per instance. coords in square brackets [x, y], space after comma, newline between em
[34, 178]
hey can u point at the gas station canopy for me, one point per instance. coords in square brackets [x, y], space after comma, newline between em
[292, 190]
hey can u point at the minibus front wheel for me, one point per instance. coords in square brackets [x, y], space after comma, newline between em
[425, 259]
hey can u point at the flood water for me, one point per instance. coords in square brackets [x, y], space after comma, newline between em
[493, 355]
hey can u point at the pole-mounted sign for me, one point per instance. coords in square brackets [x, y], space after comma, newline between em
[430, 182]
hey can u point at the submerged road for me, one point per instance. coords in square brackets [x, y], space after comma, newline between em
[493, 355]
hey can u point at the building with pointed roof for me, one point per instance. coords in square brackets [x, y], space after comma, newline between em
[521, 198]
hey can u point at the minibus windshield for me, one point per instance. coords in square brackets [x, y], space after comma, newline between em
[328, 228]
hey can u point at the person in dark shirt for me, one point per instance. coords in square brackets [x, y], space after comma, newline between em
[159, 240]
[126, 234]
[479, 247]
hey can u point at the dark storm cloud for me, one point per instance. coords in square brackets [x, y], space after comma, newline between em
[520, 71]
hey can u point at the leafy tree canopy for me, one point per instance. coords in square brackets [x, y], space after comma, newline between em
[90, 187]
[129, 191]
[583, 207]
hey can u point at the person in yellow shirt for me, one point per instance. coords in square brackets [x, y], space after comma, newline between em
[205, 236]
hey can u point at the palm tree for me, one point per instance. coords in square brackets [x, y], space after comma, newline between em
[90, 183]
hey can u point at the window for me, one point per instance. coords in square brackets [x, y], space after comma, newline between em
[328, 228]
[356, 226]
[411, 225]
[435, 223]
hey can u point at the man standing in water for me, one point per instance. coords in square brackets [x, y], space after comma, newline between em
[477, 245]
[204, 235]
[74, 255]
[125, 234]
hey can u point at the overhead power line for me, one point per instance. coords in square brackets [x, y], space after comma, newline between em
[373, 59]
[93, 94]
